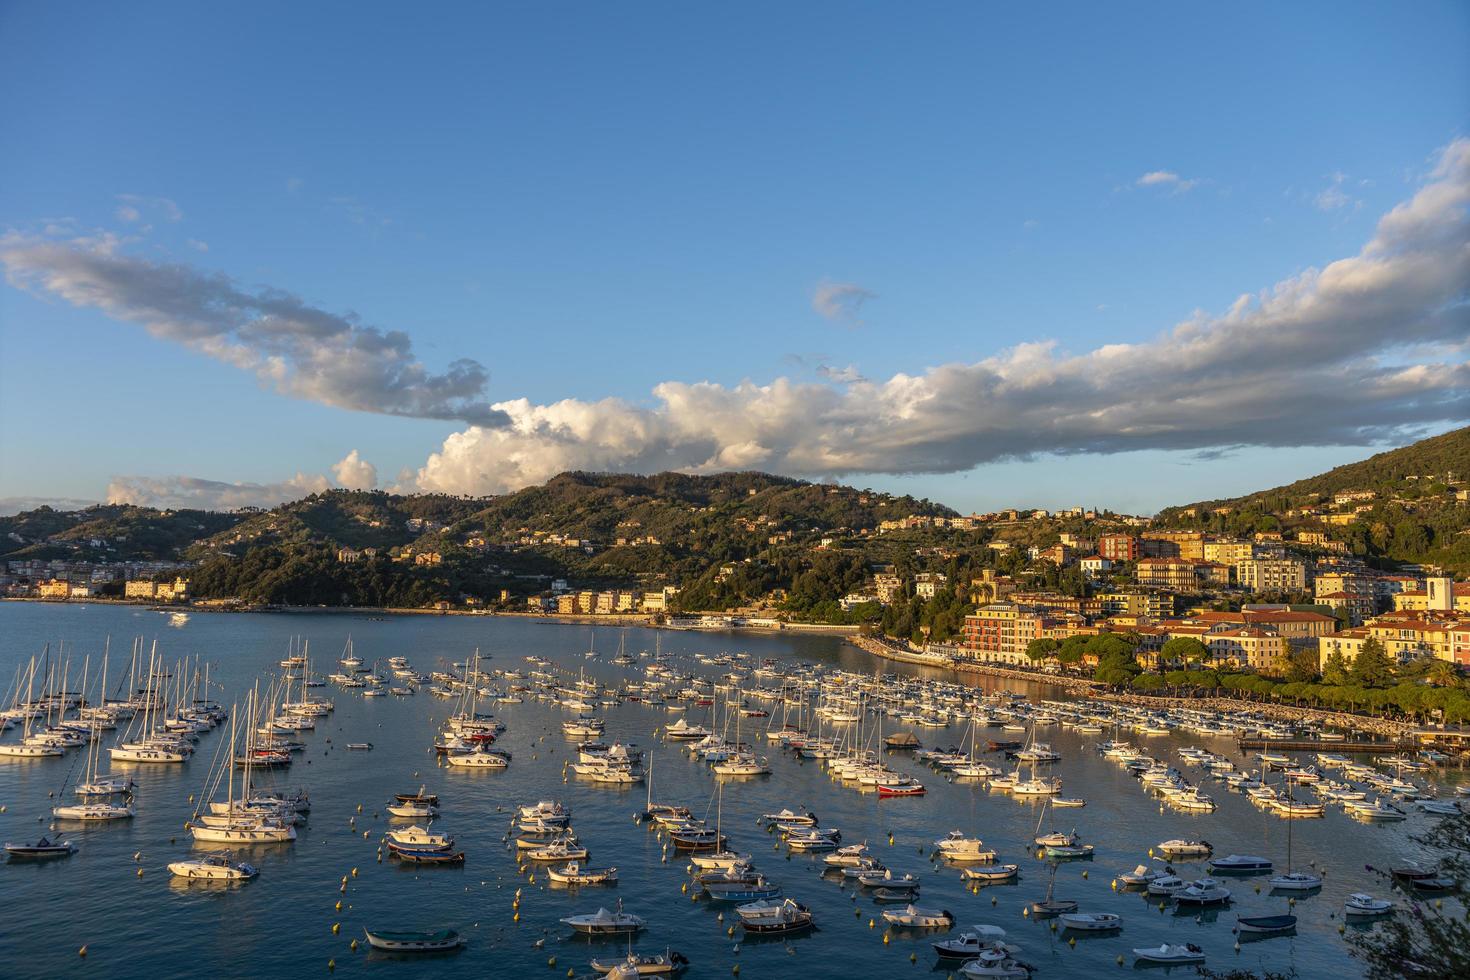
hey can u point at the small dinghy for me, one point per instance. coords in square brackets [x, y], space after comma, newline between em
[1066, 801]
[913, 917]
[1091, 921]
[360, 746]
[411, 855]
[644, 964]
[414, 942]
[1171, 953]
[574, 874]
[41, 850]
[771, 918]
[1265, 924]
[1363, 905]
[605, 923]
[995, 873]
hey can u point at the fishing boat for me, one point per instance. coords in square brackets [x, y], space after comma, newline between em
[574, 873]
[903, 787]
[770, 918]
[216, 866]
[1171, 953]
[414, 942]
[1362, 905]
[1068, 850]
[41, 850]
[643, 964]
[605, 923]
[1091, 921]
[913, 917]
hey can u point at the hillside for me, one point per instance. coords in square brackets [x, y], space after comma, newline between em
[1396, 507]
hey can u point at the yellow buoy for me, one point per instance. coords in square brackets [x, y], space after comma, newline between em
[1071, 940]
[336, 928]
[140, 872]
[516, 917]
[82, 951]
[331, 964]
[885, 939]
[339, 905]
[872, 923]
[352, 945]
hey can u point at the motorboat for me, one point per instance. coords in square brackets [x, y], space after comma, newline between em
[1363, 905]
[770, 918]
[955, 846]
[218, 866]
[851, 856]
[413, 809]
[1140, 876]
[420, 838]
[414, 942]
[1091, 921]
[787, 818]
[426, 855]
[478, 758]
[1202, 892]
[742, 888]
[1184, 848]
[913, 917]
[41, 850]
[1167, 885]
[605, 923]
[558, 850]
[93, 812]
[977, 941]
[1240, 864]
[1171, 953]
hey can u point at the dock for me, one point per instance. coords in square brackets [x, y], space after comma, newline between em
[1323, 745]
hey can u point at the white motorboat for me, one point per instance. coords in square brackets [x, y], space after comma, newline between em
[641, 965]
[913, 917]
[777, 917]
[1296, 881]
[605, 923]
[414, 942]
[1140, 876]
[1240, 864]
[1184, 848]
[479, 758]
[957, 847]
[1171, 953]
[1091, 921]
[93, 812]
[1202, 892]
[1363, 905]
[219, 866]
[558, 850]
[1167, 885]
[418, 837]
[789, 818]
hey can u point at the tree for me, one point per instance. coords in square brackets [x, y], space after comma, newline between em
[1301, 666]
[1040, 649]
[1442, 673]
[1371, 668]
[1183, 650]
[1335, 670]
[1430, 941]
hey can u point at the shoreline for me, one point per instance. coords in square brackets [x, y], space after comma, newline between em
[1388, 728]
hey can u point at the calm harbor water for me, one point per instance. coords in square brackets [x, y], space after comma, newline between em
[281, 923]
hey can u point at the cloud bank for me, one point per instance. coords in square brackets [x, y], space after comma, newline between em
[193, 493]
[290, 345]
[1365, 349]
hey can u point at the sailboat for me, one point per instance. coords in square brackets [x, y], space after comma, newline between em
[244, 821]
[28, 747]
[1294, 881]
[94, 810]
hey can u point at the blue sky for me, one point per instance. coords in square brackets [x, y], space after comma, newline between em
[590, 200]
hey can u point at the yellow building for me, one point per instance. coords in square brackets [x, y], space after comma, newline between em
[53, 589]
[1228, 552]
[139, 589]
[1271, 575]
[566, 604]
[1439, 594]
[1247, 646]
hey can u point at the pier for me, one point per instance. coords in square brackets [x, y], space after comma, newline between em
[1322, 745]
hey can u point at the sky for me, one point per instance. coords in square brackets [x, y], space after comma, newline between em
[994, 255]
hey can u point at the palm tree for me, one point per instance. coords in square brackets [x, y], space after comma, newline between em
[1442, 673]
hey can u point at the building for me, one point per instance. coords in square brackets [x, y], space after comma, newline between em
[1292, 624]
[1406, 635]
[1177, 574]
[1001, 631]
[1271, 575]
[1229, 552]
[1119, 547]
[1189, 545]
[1438, 594]
[1138, 605]
[53, 589]
[566, 604]
[927, 584]
[1356, 607]
[1247, 646]
[887, 586]
[140, 588]
[1095, 566]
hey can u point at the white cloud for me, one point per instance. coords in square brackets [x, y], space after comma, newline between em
[1366, 348]
[188, 492]
[355, 473]
[1166, 178]
[198, 246]
[1333, 197]
[134, 206]
[841, 301]
[10, 506]
[288, 344]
